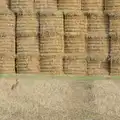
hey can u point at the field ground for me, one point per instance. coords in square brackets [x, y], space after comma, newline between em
[46, 97]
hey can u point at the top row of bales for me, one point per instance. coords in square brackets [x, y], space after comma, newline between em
[87, 6]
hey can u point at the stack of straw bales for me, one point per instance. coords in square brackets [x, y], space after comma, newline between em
[7, 40]
[92, 6]
[18, 6]
[71, 5]
[114, 32]
[51, 41]
[115, 57]
[27, 43]
[74, 64]
[97, 24]
[112, 7]
[97, 40]
[45, 5]
[51, 63]
[98, 68]
[74, 42]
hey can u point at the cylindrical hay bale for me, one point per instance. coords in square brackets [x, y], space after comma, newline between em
[7, 22]
[75, 22]
[52, 44]
[74, 65]
[27, 64]
[75, 44]
[51, 32]
[97, 24]
[69, 5]
[98, 48]
[7, 64]
[90, 6]
[97, 68]
[51, 64]
[43, 5]
[27, 45]
[112, 6]
[18, 6]
[7, 45]
[115, 49]
[114, 27]
[115, 68]
[27, 24]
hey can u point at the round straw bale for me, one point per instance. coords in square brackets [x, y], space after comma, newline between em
[51, 23]
[7, 64]
[114, 29]
[52, 44]
[7, 45]
[115, 48]
[112, 6]
[98, 23]
[7, 22]
[27, 45]
[51, 64]
[75, 44]
[115, 68]
[97, 68]
[51, 32]
[97, 48]
[74, 64]
[18, 6]
[69, 5]
[27, 24]
[90, 6]
[43, 5]
[27, 64]
[75, 22]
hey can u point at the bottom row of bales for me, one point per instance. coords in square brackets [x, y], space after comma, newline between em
[56, 64]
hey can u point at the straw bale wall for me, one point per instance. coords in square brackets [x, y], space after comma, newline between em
[60, 36]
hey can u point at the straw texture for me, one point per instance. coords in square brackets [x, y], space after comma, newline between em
[75, 44]
[24, 48]
[98, 48]
[27, 64]
[115, 69]
[51, 64]
[75, 22]
[91, 6]
[51, 32]
[97, 68]
[69, 5]
[45, 5]
[112, 6]
[73, 64]
[114, 30]
[19, 6]
[97, 24]
[27, 24]
[7, 64]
